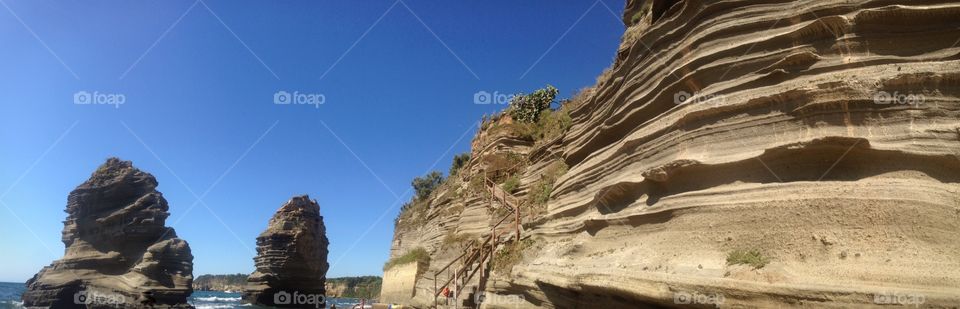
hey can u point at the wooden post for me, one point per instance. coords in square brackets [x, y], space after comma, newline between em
[516, 220]
[456, 288]
[447, 297]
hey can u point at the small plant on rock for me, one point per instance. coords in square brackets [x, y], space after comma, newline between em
[510, 255]
[749, 257]
[512, 184]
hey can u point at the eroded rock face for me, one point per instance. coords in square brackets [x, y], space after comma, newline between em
[118, 250]
[291, 258]
[825, 134]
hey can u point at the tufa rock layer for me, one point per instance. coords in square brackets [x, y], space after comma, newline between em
[823, 135]
[118, 251]
[291, 257]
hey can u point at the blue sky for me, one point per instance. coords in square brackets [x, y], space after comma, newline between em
[197, 82]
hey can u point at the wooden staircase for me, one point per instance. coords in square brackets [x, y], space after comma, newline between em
[476, 257]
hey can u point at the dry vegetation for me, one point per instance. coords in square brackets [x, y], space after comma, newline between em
[419, 255]
[749, 257]
[510, 255]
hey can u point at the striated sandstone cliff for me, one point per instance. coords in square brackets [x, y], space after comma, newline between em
[118, 251]
[291, 257]
[738, 126]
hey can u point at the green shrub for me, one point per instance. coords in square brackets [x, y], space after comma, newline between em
[419, 255]
[527, 108]
[540, 191]
[511, 184]
[750, 257]
[425, 185]
[459, 161]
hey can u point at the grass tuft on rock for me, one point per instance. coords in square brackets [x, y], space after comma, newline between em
[512, 184]
[749, 257]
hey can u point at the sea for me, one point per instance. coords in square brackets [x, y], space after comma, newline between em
[10, 299]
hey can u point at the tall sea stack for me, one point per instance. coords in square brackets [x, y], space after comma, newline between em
[291, 258]
[119, 253]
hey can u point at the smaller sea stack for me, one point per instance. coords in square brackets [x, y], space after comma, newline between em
[291, 258]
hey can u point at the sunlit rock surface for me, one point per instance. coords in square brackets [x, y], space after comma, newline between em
[118, 251]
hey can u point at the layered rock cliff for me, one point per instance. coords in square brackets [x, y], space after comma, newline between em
[737, 153]
[291, 258]
[118, 251]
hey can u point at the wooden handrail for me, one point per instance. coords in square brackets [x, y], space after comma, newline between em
[465, 251]
[480, 253]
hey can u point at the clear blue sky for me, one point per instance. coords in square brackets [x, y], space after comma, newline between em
[199, 94]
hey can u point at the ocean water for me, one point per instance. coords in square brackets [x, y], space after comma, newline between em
[10, 299]
[10, 295]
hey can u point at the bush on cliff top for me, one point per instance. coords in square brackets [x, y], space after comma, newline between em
[425, 185]
[533, 117]
[527, 108]
[459, 161]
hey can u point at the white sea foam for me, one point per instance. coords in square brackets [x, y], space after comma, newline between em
[214, 306]
[218, 299]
